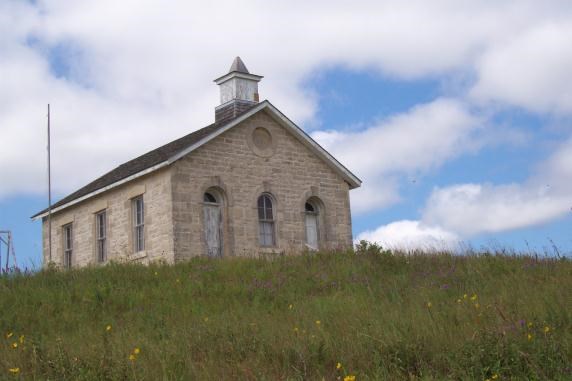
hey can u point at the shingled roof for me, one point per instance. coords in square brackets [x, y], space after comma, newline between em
[148, 160]
[173, 151]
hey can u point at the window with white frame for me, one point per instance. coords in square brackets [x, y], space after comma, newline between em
[138, 224]
[266, 221]
[101, 236]
[68, 245]
[312, 227]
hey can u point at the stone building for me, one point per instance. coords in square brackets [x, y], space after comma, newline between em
[251, 183]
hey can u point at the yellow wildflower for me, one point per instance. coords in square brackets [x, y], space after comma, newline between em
[136, 351]
[464, 296]
[529, 337]
[429, 305]
[495, 376]
[108, 328]
[9, 335]
[546, 329]
[21, 339]
[290, 307]
[318, 322]
[474, 297]
[132, 357]
[178, 280]
[14, 370]
[296, 329]
[459, 301]
[14, 345]
[529, 325]
[206, 319]
[350, 378]
[338, 366]
[156, 273]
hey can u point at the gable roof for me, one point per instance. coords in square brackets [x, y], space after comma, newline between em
[173, 151]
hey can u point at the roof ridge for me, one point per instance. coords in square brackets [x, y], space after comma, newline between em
[172, 151]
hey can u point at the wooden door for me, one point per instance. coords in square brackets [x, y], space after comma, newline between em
[213, 231]
[312, 230]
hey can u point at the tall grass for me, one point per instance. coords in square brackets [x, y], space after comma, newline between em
[370, 314]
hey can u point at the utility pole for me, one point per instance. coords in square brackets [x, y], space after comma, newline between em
[49, 194]
[7, 239]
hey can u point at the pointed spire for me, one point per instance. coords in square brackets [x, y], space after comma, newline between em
[238, 66]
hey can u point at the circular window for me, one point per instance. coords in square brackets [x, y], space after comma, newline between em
[261, 142]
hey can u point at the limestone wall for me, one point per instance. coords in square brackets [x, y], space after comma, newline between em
[156, 191]
[242, 168]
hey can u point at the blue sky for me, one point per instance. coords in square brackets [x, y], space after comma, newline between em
[349, 99]
[458, 118]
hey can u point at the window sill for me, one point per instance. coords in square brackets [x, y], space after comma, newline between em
[269, 250]
[268, 247]
[138, 255]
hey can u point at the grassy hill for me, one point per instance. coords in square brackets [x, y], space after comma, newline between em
[370, 315]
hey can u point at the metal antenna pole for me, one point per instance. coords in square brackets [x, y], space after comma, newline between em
[8, 252]
[13, 250]
[49, 194]
[7, 239]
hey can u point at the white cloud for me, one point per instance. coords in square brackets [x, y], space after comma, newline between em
[138, 73]
[475, 208]
[469, 209]
[411, 235]
[460, 211]
[419, 140]
[531, 70]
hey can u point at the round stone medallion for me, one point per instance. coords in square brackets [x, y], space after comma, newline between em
[262, 138]
[261, 142]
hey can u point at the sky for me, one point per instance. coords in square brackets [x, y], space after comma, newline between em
[456, 115]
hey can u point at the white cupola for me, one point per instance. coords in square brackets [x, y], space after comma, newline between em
[238, 91]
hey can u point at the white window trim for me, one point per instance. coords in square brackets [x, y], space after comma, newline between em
[265, 221]
[138, 246]
[68, 245]
[101, 240]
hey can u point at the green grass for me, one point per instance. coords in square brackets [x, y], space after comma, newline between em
[381, 316]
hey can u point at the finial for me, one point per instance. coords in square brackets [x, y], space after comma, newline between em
[238, 66]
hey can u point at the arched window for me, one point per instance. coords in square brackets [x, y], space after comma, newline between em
[208, 197]
[266, 221]
[312, 227]
[213, 222]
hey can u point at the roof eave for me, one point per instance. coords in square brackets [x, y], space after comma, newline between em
[101, 190]
[348, 176]
[238, 74]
